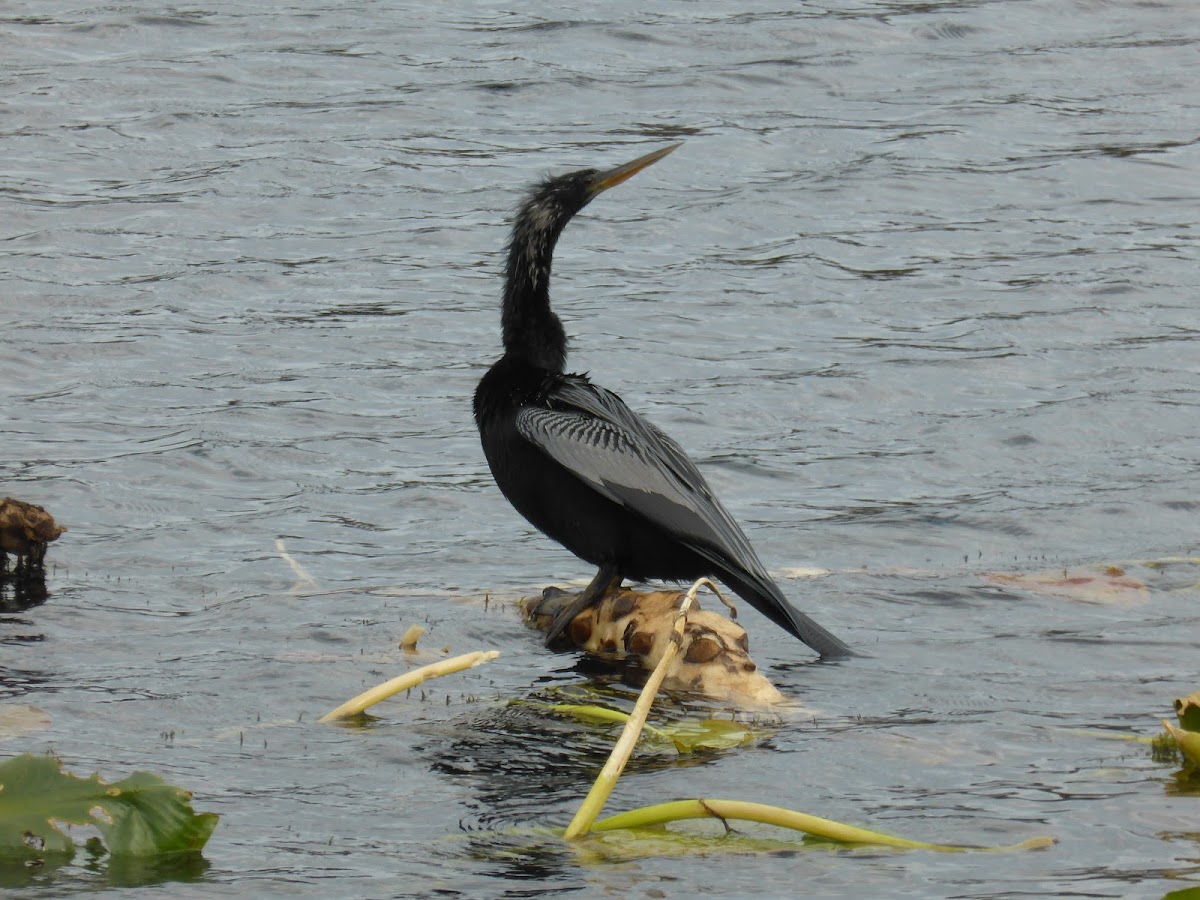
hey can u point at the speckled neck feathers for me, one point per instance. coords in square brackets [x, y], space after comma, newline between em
[532, 332]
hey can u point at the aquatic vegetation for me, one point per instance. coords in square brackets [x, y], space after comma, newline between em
[1188, 710]
[1187, 734]
[408, 680]
[627, 833]
[139, 816]
[813, 826]
[660, 814]
[688, 736]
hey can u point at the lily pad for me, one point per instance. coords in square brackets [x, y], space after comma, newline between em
[710, 734]
[687, 736]
[139, 816]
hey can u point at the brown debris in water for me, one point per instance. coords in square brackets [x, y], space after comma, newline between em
[626, 624]
[25, 530]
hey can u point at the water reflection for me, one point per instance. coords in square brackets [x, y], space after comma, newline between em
[17, 595]
[92, 869]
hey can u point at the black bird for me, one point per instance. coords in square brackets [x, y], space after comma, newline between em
[585, 469]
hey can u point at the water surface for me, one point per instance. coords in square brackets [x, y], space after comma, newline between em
[917, 293]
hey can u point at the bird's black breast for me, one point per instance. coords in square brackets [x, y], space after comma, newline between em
[590, 473]
[545, 492]
[509, 386]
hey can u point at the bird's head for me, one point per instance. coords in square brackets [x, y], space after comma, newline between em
[552, 203]
[531, 331]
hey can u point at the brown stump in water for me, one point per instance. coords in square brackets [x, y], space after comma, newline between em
[25, 530]
[625, 624]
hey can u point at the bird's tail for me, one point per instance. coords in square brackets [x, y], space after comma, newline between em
[765, 596]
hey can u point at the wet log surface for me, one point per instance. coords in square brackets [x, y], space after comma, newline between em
[635, 626]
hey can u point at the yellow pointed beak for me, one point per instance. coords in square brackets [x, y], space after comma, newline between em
[613, 177]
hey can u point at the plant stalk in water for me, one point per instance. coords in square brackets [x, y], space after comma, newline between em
[408, 680]
[607, 780]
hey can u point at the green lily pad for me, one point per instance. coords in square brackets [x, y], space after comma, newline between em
[139, 816]
[687, 736]
[710, 734]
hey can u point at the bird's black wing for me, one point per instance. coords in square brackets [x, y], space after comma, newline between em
[591, 432]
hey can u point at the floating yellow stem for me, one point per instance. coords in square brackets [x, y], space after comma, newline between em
[607, 780]
[408, 643]
[409, 680]
[601, 714]
[649, 816]
[1109, 735]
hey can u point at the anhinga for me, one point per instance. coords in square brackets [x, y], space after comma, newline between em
[585, 469]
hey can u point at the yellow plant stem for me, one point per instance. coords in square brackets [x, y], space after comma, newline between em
[1110, 735]
[409, 680]
[408, 643]
[601, 714]
[650, 816]
[607, 780]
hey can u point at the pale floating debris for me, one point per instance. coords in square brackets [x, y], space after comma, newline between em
[304, 581]
[802, 572]
[1107, 585]
[19, 719]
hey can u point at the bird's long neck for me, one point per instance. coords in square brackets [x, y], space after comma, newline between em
[532, 332]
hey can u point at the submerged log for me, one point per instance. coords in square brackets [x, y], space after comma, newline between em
[635, 625]
[25, 530]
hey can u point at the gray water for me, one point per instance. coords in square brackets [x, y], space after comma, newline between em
[917, 292]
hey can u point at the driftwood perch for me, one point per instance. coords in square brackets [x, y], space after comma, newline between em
[25, 530]
[636, 625]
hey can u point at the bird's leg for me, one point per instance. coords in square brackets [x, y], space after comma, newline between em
[606, 579]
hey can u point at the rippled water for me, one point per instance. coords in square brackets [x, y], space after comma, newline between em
[918, 293]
